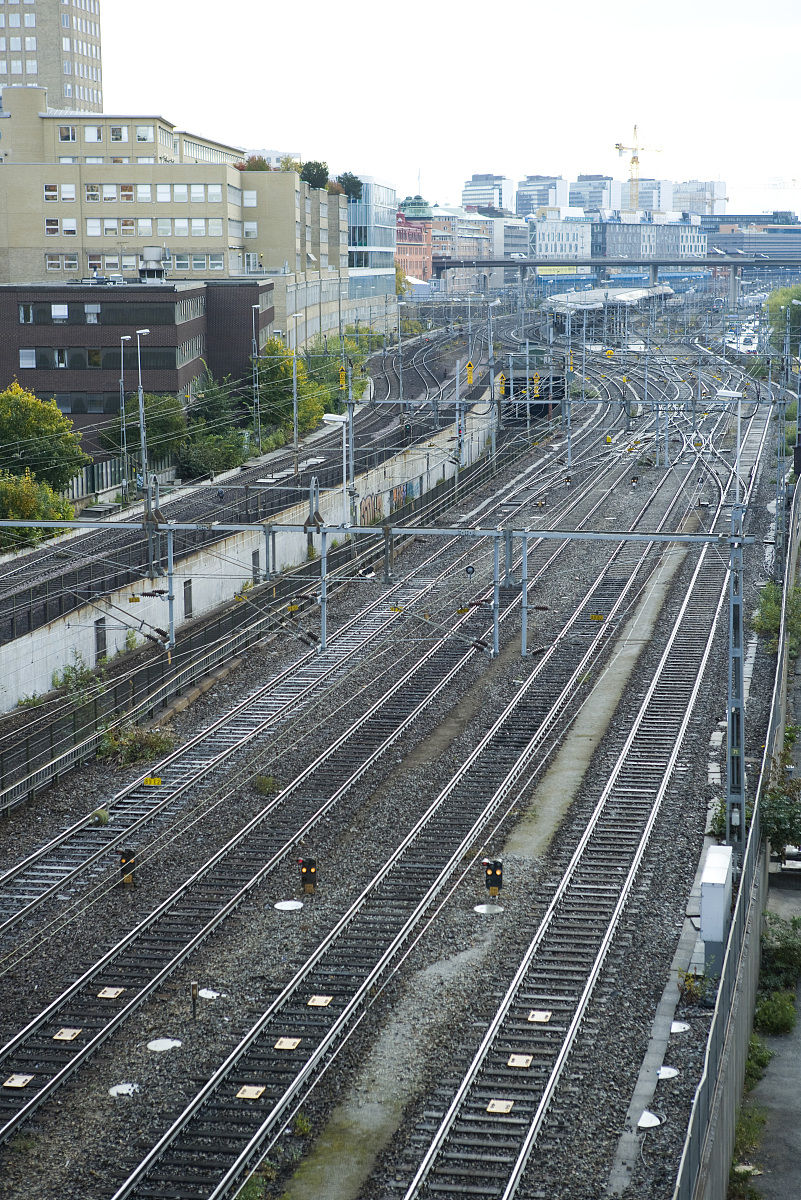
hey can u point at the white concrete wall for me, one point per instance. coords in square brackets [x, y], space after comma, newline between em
[219, 572]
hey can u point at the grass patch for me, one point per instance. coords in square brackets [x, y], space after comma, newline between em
[266, 785]
[768, 617]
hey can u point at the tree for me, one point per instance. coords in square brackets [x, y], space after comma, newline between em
[165, 425]
[22, 497]
[351, 185]
[315, 174]
[779, 303]
[215, 405]
[208, 454]
[275, 386]
[288, 163]
[335, 189]
[36, 436]
[402, 285]
[255, 162]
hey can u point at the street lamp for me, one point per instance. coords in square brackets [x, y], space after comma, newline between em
[400, 304]
[140, 333]
[254, 354]
[125, 337]
[341, 420]
[294, 318]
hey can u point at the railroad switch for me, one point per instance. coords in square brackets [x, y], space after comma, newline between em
[493, 877]
[127, 864]
[308, 874]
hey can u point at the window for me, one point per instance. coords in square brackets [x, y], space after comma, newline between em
[3, 66]
[68, 193]
[27, 358]
[255, 566]
[53, 262]
[70, 262]
[65, 21]
[164, 227]
[198, 262]
[109, 227]
[216, 262]
[182, 262]
[182, 227]
[215, 226]
[26, 314]
[129, 262]
[143, 193]
[249, 199]
[31, 66]
[30, 20]
[128, 227]
[51, 226]
[60, 359]
[66, 133]
[109, 192]
[30, 43]
[163, 193]
[93, 227]
[69, 226]
[91, 313]
[16, 66]
[144, 133]
[215, 193]
[15, 43]
[100, 640]
[251, 229]
[93, 133]
[59, 314]
[94, 262]
[14, 21]
[51, 191]
[144, 227]
[119, 133]
[180, 193]
[197, 193]
[145, 160]
[187, 599]
[126, 193]
[94, 357]
[91, 192]
[93, 160]
[198, 226]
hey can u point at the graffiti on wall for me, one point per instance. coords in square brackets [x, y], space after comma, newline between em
[371, 509]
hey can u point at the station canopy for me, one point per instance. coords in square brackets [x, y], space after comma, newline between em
[595, 298]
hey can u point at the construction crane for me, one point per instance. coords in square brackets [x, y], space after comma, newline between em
[634, 169]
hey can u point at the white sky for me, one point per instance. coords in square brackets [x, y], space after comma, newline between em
[515, 88]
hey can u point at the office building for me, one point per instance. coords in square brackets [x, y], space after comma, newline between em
[413, 250]
[489, 191]
[707, 197]
[655, 195]
[637, 236]
[541, 191]
[594, 193]
[371, 240]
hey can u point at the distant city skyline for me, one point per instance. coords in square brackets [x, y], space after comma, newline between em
[706, 87]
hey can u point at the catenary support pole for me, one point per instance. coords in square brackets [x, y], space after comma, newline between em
[496, 594]
[323, 590]
[524, 604]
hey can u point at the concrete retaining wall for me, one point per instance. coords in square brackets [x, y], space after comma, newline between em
[217, 573]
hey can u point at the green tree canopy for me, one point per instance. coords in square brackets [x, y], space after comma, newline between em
[351, 185]
[315, 174]
[217, 405]
[165, 425]
[402, 285]
[288, 163]
[24, 498]
[780, 304]
[275, 387]
[255, 162]
[780, 807]
[36, 436]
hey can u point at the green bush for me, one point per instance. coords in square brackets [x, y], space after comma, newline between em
[130, 744]
[768, 618]
[781, 953]
[775, 1013]
[210, 453]
[757, 1062]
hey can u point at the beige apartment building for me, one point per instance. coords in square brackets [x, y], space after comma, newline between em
[81, 195]
[53, 44]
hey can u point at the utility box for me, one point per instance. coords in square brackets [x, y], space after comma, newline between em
[716, 885]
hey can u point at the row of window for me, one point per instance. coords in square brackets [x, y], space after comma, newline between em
[143, 227]
[14, 66]
[14, 21]
[92, 95]
[143, 193]
[40, 312]
[87, 49]
[15, 43]
[91, 6]
[81, 70]
[107, 358]
[143, 133]
[110, 264]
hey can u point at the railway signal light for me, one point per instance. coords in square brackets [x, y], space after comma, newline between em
[308, 874]
[127, 864]
[493, 875]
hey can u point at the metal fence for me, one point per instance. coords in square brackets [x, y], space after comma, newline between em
[97, 477]
[708, 1146]
[36, 755]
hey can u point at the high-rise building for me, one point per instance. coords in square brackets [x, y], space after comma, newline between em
[595, 193]
[655, 195]
[55, 44]
[489, 191]
[372, 239]
[707, 197]
[413, 235]
[541, 191]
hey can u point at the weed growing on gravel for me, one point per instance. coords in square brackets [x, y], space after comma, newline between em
[130, 744]
[29, 701]
[302, 1126]
[768, 617]
[747, 1136]
[692, 988]
[77, 677]
[266, 785]
[23, 1143]
[253, 1189]
[100, 816]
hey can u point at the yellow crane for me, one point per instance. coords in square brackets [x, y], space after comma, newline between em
[634, 169]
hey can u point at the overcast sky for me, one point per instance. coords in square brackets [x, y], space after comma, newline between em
[442, 91]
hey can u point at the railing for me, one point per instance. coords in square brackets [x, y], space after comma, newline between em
[694, 1164]
[97, 477]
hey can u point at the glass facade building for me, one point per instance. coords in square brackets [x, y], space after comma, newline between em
[371, 240]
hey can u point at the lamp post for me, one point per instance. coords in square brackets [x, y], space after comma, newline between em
[125, 337]
[399, 306]
[295, 392]
[341, 420]
[254, 308]
[146, 484]
[797, 447]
